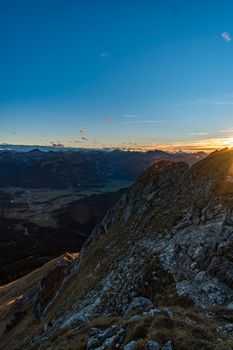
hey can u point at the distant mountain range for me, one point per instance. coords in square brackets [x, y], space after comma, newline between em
[68, 168]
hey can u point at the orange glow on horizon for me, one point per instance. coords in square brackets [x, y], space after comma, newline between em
[204, 145]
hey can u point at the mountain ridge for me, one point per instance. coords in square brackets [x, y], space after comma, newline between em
[162, 254]
[59, 169]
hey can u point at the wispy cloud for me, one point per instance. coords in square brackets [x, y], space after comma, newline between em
[131, 116]
[201, 133]
[75, 141]
[214, 102]
[144, 122]
[82, 131]
[226, 36]
[223, 100]
[138, 119]
[226, 131]
[57, 144]
[84, 138]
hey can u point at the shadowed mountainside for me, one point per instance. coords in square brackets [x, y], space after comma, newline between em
[25, 246]
[37, 169]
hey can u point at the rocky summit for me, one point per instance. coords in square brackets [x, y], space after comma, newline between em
[157, 273]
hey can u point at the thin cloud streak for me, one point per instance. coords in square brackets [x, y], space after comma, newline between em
[226, 131]
[215, 103]
[206, 102]
[144, 122]
[131, 116]
[201, 133]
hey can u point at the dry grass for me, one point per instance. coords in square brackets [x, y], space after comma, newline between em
[101, 322]
[183, 336]
[12, 291]
[160, 288]
[139, 330]
[74, 338]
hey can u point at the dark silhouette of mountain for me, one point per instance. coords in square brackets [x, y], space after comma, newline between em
[37, 169]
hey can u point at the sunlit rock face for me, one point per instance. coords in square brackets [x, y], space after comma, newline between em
[184, 216]
[162, 255]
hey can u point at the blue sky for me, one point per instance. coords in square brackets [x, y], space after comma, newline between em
[137, 74]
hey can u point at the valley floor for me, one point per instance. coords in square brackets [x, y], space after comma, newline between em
[37, 225]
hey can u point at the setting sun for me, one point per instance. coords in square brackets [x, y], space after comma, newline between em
[230, 142]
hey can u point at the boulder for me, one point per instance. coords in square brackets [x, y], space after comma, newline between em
[152, 345]
[137, 303]
[130, 346]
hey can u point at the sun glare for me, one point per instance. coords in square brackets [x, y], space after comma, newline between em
[230, 143]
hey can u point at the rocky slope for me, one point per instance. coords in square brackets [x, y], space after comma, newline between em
[157, 273]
